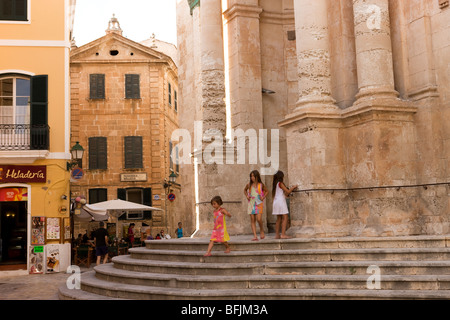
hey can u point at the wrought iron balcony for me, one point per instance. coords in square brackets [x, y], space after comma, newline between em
[15, 137]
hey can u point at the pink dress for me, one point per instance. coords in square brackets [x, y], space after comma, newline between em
[219, 233]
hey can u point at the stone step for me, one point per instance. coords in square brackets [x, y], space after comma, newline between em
[244, 243]
[388, 282]
[125, 262]
[93, 285]
[397, 254]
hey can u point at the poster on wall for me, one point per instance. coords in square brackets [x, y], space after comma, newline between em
[66, 229]
[37, 230]
[53, 258]
[53, 231]
[13, 194]
[36, 259]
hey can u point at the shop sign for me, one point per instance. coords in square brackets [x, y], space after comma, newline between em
[26, 174]
[133, 177]
[14, 194]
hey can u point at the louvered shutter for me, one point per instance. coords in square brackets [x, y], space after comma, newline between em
[133, 152]
[98, 153]
[39, 113]
[147, 200]
[132, 86]
[97, 86]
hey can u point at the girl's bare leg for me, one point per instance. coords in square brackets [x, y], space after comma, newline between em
[227, 246]
[208, 253]
[253, 223]
[283, 227]
[277, 227]
[261, 228]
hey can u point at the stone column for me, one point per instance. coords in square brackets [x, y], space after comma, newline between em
[313, 54]
[211, 118]
[373, 50]
[212, 66]
[313, 130]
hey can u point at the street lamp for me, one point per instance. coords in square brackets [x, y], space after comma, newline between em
[77, 152]
[172, 181]
[172, 177]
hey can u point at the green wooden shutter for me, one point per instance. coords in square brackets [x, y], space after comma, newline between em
[147, 201]
[133, 152]
[39, 134]
[122, 194]
[97, 86]
[132, 86]
[98, 153]
[14, 10]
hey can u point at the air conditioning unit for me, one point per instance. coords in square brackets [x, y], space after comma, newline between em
[135, 215]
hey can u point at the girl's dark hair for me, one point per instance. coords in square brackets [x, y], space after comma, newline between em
[277, 177]
[218, 200]
[257, 177]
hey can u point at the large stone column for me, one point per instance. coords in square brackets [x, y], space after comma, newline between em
[373, 50]
[211, 118]
[313, 54]
[313, 130]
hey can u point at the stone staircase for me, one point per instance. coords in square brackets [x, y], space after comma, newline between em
[339, 268]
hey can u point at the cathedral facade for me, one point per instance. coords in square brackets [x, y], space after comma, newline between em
[349, 98]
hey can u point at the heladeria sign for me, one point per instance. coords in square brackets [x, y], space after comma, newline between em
[26, 174]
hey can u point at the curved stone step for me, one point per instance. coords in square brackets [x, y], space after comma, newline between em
[244, 243]
[312, 267]
[90, 283]
[397, 254]
[388, 282]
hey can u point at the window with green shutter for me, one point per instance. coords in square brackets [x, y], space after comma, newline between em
[98, 153]
[14, 10]
[98, 195]
[132, 86]
[97, 86]
[170, 94]
[175, 97]
[39, 134]
[133, 152]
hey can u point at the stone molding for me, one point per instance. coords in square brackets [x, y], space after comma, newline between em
[239, 10]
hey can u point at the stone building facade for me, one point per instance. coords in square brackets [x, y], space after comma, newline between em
[124, 109]
[359, 91]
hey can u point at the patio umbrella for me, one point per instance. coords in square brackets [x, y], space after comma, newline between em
[87, 215]
[116, 208]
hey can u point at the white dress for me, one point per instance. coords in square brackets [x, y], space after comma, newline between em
[279, 202]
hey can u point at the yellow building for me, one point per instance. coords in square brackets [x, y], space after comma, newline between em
[35, 134]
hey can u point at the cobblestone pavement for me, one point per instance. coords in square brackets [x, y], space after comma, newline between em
[19, 285]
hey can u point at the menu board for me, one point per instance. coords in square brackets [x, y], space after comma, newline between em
[66, 226]
[53, 259]
[36, 259]
[53, 231]
[37, 230]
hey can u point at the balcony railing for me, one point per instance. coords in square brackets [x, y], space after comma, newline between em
[15, 137]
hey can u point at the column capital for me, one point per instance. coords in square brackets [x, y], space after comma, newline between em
[241, 10]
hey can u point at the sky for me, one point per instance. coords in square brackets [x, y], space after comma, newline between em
[138, 19]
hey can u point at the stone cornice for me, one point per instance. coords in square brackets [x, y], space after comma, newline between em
[240, 10]
[283, 18]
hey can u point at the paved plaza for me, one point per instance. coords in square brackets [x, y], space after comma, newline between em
[19, 285]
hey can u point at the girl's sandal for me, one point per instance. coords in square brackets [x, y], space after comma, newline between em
[207, 255]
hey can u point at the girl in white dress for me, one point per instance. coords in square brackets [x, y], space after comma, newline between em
[280, 209]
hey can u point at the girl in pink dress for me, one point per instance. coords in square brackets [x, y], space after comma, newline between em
[219, 233]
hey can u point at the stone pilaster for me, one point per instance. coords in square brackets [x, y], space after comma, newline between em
[373, 48]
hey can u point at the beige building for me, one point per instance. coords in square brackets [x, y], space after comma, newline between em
[359, 91]
[124, 102]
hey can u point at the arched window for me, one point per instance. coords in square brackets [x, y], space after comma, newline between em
[15, 100]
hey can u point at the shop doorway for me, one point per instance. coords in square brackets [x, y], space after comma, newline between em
[13, 235]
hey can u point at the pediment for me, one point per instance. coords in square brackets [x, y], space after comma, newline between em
[116, 48]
